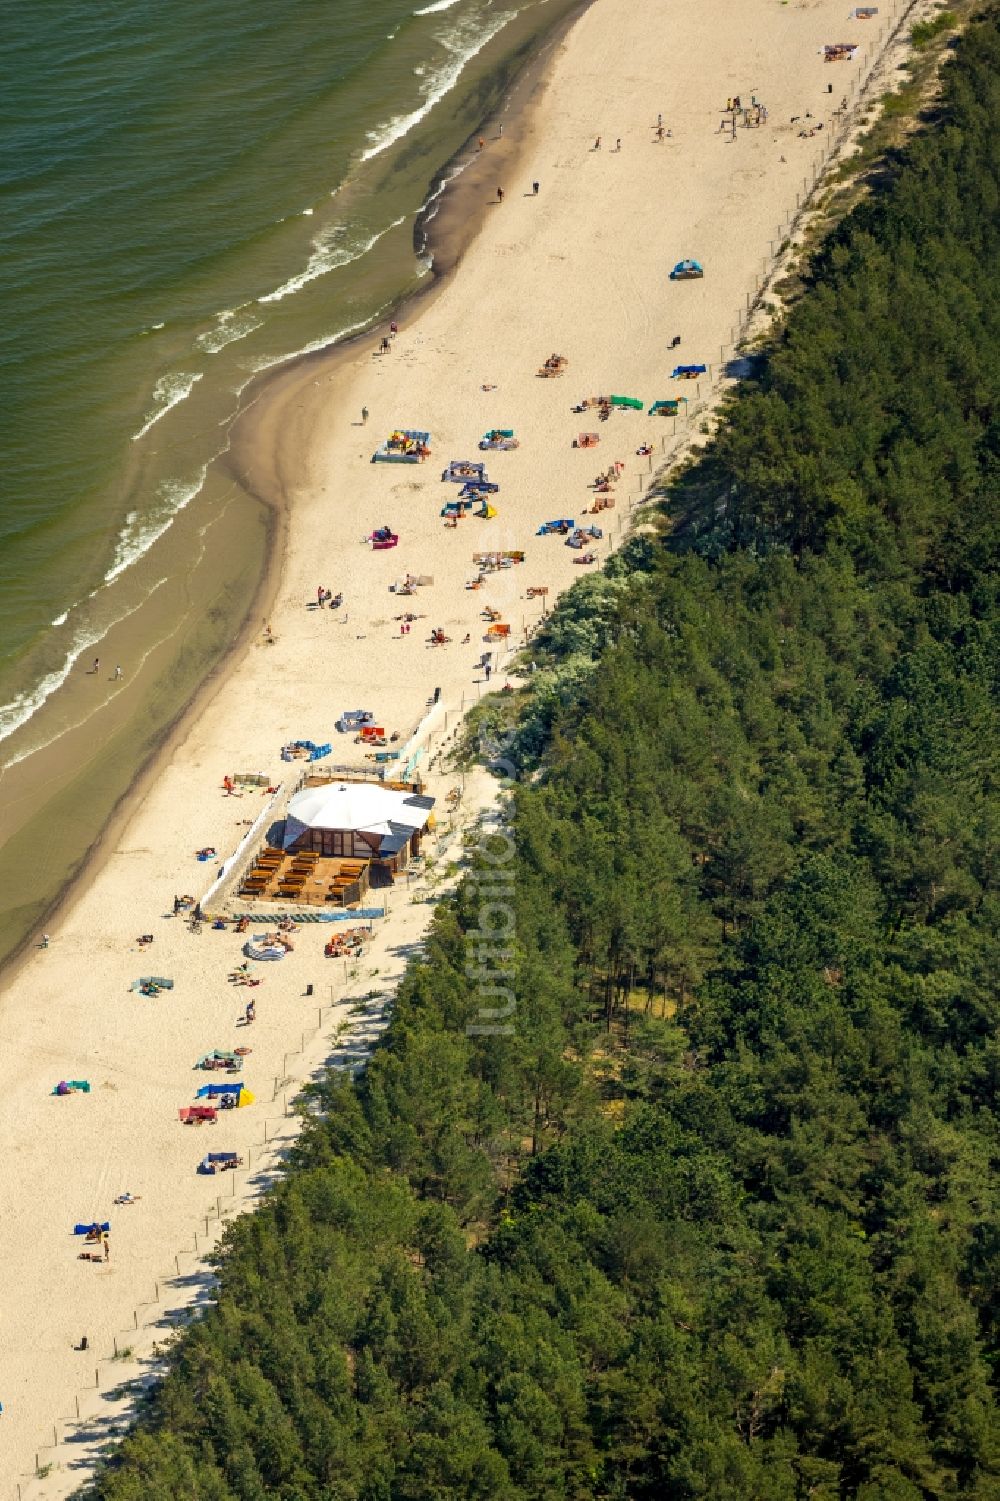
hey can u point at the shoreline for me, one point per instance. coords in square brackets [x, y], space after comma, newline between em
[68, 1016]
[264, 404]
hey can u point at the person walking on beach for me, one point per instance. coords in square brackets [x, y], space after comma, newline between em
[97, 665]
[364, 415]
[118, 674]
[618, 144]
[499, 195]
[107, 1248]
[534, 189]
[597, 144]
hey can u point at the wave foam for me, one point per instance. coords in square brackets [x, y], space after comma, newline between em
[328, 254]
[432, 10]
[325, 342]
[141, 531]
[229, 327]
[439, 83]
[168, 392]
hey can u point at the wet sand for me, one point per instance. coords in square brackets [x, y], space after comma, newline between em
[580, 269]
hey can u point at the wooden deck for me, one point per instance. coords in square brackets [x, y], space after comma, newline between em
[306, 879]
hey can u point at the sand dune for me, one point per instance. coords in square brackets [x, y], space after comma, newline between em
[580, 269]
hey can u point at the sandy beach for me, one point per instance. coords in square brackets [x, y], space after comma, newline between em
[580, 268]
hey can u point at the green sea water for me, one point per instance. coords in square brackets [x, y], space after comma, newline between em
[191, 194]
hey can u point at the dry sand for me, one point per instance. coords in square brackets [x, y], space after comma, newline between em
[581, 269]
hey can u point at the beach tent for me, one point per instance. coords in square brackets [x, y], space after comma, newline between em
[667, 407]
[486, 511]
[687, 270]
[72, 1086]
[362, 808]
[630, 402]
[93, 1227]
[687, 372]
[473, 489]
[221, 1057]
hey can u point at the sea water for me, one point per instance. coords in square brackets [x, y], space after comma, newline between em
[192, 193]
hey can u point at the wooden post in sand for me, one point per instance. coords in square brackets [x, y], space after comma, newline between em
[77, 1411]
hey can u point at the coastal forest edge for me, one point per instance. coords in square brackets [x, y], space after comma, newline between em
[714, 1212]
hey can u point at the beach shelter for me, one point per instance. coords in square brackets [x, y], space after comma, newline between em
[196, 1115]
[406, 445]
[687, 372]
[219, 1058]
[460, 471]
[630, 403]
[353, 719]
[239, 1092]
[687, 270]
[93, 1227]
[501, 438]
[216, 1162]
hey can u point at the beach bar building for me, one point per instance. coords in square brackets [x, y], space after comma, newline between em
[359, 821]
